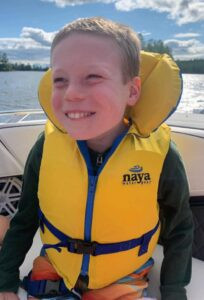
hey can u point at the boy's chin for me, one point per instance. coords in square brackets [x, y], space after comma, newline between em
[79, 136]
[84, 136]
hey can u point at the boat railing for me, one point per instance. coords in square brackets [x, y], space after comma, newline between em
[22, 117]
[37, 116]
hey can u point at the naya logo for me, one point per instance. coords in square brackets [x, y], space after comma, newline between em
[137, 176]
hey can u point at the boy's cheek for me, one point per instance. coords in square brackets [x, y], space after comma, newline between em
[56, 103]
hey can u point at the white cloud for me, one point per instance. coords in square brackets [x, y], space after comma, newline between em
[18, 43]
[186, 49]
[33, 46]
[187, 35]
[63, 3]
[145, 33]
[38, 35]
[182, 11]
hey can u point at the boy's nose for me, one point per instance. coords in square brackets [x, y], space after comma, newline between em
[74, 92]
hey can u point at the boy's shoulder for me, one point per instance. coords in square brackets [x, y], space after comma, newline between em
[35, 155]
[38, 146]
[173, 153]
[173, 167]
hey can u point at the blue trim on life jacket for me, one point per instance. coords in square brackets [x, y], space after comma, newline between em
[93, 248]
[112, 150]
[85, 153]
[92, 180]
[88, 220]
[91, 192]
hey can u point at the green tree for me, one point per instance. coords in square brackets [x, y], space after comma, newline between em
[141, 40]
[155, 46]
[4, 62]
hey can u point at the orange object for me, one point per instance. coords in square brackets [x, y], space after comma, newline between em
[115, 292]
[42, 269]
[128, 288]
[4, 226]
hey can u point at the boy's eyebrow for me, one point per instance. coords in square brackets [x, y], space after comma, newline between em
[96, 68]
[88, 68]
[57, 70]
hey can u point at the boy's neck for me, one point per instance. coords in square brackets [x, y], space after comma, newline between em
[105, 141]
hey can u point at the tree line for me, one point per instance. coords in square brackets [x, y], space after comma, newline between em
[195, 66]
[155, 46]
[5, 65]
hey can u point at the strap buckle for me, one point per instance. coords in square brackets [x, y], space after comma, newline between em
[81, 247]
[52, 288]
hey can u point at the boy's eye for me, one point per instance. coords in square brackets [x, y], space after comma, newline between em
[94, 76]
[59, 81]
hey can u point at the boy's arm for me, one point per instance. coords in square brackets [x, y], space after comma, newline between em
[177, 228]
[19, 237]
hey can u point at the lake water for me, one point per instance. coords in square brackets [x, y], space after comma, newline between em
[18, 90]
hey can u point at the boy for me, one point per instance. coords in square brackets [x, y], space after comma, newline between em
[98, 178]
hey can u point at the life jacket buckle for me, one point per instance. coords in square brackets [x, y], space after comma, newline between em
[52, 288]
[44, 287]
[81, 247]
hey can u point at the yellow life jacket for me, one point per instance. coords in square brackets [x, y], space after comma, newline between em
[118, 204]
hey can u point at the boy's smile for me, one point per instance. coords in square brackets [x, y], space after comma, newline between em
[89, 94]
[78, 115]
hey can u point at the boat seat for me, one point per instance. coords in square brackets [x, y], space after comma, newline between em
[195, 290]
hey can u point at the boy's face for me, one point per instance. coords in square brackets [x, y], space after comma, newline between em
[89, 96]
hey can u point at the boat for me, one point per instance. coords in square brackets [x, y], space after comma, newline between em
[19, 131]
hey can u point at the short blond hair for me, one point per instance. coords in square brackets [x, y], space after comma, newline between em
[126, 39]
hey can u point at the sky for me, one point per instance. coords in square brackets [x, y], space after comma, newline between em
[27, 27]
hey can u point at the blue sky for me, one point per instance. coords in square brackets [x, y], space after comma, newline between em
[27, 27]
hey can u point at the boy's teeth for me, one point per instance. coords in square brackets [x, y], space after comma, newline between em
[78, 115]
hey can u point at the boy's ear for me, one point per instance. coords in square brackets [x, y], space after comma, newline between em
[135, 89]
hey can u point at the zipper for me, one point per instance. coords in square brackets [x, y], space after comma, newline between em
[91, 193]
[88, 221]
[99, 159]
